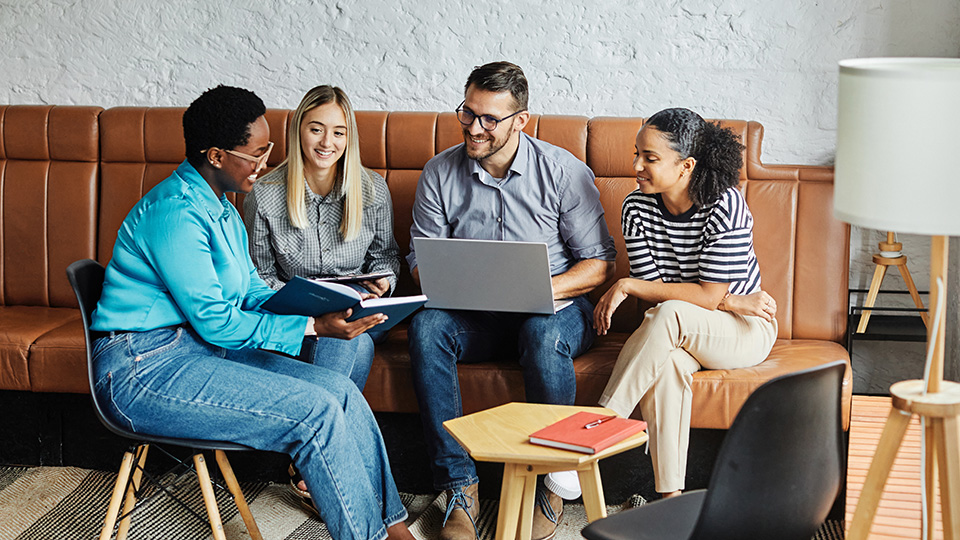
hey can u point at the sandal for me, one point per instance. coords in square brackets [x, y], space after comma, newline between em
[303, 496]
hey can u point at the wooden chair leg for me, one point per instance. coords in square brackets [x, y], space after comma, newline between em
[238, 497]
[118, 489]
[209, 497]
[131, 499]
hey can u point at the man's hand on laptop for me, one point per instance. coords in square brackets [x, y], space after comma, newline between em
[335, 324]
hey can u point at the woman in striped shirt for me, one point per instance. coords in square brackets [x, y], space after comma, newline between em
[689, 237]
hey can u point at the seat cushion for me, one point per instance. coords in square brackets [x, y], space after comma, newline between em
[20, 326]
[717, 394]
[58, 360]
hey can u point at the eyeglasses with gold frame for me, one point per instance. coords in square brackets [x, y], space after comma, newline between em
[261, 161]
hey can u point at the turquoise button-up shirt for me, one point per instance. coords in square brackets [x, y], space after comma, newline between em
[181, 256]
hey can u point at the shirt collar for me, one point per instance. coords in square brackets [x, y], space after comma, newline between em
[202, 192]
[335, 194]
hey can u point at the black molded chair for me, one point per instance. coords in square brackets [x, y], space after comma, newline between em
[777, 474]
[86, 278]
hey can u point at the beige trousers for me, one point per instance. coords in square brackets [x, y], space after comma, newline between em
[656, 366]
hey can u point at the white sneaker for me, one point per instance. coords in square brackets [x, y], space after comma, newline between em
[566, 484]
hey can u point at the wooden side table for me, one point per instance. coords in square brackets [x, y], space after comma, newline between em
[501, 435]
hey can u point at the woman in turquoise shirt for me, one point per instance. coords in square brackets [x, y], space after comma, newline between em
[187, 351]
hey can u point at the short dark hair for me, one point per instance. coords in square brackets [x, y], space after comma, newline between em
[501, 77]
[220, 118]
[717, 150]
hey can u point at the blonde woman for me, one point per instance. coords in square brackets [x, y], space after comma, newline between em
[321, 213]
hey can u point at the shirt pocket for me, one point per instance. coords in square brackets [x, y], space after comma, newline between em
[289, 252]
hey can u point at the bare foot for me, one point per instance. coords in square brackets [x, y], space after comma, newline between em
[676, 493]
[399, 531]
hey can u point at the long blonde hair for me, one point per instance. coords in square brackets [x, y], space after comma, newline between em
[349, 166]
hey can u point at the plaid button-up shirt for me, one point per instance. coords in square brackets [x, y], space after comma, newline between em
[281, 251]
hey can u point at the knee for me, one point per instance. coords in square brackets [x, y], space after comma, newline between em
[544, 338]
[538, 339]
[428, 324]
[364, 348]
[431, 331]
[670, 308]
[667, 314]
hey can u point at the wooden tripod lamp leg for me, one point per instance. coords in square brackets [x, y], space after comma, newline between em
[930, 477]
[871, 297]
[948, 465]
[887, 448]
[949, 462]
[905, 273]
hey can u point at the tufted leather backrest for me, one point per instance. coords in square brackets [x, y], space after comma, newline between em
[801, 247]
[49, 160]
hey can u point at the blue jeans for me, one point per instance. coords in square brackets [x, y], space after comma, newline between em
[170, 382]
[352, 358]
[545, 346]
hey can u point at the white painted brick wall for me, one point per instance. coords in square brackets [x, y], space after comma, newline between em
[763, 60]
[770, 61]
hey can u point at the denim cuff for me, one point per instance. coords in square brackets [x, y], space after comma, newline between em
[399, 517]
[454, 484]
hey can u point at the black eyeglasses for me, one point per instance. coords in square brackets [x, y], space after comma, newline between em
[487, 122]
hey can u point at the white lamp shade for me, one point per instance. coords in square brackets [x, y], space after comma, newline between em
[898, 145]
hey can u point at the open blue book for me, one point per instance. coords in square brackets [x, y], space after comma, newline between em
[301, 296]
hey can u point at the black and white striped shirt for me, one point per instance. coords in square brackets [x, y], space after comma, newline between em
[712, 244]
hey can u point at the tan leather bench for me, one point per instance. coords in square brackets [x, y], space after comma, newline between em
[69, 175]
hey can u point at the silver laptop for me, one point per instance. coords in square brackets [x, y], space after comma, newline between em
[486, 275]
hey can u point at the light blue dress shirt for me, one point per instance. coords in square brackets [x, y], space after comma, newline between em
[548, 195]
[181, 256]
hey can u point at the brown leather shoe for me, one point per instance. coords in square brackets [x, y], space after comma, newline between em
[463, 507]
[546, 514]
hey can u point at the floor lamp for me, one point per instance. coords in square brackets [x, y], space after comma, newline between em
[897, 170]
[889, 255]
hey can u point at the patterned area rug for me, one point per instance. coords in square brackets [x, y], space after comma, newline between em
[55, 503]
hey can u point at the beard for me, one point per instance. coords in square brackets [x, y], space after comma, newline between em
[490, 147]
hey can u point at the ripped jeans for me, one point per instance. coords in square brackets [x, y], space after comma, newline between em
[544, 345]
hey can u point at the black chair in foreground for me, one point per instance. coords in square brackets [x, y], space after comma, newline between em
[777, 474]
[86, 278]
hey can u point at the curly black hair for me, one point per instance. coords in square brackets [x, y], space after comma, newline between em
[717, 150]
[220, 118]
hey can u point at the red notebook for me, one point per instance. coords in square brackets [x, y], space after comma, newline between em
[572, 433]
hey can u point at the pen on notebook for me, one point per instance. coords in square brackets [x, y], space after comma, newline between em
[599, 421]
